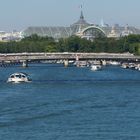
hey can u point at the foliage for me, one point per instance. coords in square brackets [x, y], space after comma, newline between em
[36, 43]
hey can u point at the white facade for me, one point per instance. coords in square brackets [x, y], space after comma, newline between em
[9, 36]
[113, 33]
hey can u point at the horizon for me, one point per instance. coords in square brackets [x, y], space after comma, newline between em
[18, 15]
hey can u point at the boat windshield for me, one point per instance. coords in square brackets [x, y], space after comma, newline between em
[12, 76]
[18, 76]
[23, 76]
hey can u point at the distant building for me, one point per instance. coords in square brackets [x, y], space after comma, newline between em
[10, 36]
[126, 31]
[113, 33]
[80, 28]
[80, 24]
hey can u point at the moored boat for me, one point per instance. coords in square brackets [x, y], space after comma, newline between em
[95, 67]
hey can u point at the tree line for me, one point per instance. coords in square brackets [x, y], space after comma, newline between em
[35, 43]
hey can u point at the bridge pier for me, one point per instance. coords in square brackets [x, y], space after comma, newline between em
[66, 63]
[103, 62]
[25, 63]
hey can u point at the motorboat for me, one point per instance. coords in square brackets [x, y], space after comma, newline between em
[95, 67]
[115, 63]
[18, 77]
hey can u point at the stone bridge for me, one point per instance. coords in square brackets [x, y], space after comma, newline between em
[67, 56]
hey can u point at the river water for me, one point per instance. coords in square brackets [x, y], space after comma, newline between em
[70, 104]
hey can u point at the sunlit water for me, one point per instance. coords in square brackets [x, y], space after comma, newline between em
[70, 104]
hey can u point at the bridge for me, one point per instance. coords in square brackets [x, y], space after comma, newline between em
[67, 55]
[25, 57]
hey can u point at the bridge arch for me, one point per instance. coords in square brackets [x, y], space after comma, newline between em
[92, 32]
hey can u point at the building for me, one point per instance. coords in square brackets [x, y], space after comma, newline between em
[80, 28]
[113, 33]
[10, 36]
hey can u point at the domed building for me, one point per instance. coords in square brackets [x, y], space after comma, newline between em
[80, 28]
[113, 33]
[80, 24]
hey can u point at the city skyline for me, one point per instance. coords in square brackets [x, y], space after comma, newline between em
[18, 14]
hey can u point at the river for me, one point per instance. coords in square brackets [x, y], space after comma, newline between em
[70, 104]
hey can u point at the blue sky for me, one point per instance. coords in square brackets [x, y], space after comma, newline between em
[19, 14]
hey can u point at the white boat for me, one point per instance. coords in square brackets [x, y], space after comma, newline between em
[95, 67]
[114, 63]
[19, 77]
